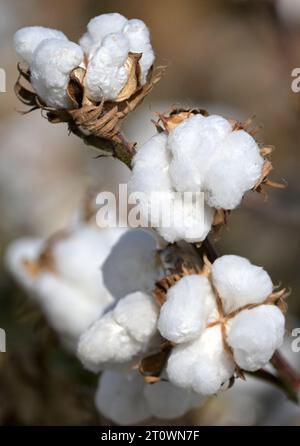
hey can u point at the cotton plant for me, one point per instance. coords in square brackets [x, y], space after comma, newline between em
[163, 320]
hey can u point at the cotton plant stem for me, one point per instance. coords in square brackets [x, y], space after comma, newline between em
[287, 379]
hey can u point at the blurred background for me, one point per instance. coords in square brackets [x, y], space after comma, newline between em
[233, 57]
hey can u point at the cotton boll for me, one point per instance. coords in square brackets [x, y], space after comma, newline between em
[167, 401]
[235, 172]
[120, 397]
[106, 74]
[137, 313]
[67, 310]
[27, 39]
[189, 302]
[26, 248]
[202, 365]
[52, 63]
[131, 264]
[139, 40]
[240, 283]
[106, 342]
[255, 334]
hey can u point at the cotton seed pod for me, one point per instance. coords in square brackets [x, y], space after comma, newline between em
[115, 75]
[222, 321]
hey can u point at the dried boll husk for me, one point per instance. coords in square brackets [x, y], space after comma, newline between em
[97, 124]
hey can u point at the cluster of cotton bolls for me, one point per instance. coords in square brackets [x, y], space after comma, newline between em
[217, 321]
[108, 51]
[201, 154]
[76, 275]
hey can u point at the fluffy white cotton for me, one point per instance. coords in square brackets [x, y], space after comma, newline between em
[52, 63]
[121, 334]
[137, 313]
[120, 397]
[27, 39]
[255, 334]
[107, 43]
[106, 73]
[202, 365]
[201, 155]
[66, 309]
[106, 342]
[80, 256]
[139, 42]
[184, 315]
[125, 398]
[194, 144]
[98, 28]
[237, 169]
[167, 401]
[159, 203]
[92, 268]
[132, 264]
[240, 283]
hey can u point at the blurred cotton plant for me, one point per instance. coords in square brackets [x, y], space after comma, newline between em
[165, 321]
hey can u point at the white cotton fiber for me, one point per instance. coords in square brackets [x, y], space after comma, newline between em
[240, 283]
[176, 217]
[167, 401]
[184, 314]
[67, 310]
[236, 171]
[79, 258]
[27, 39]
[139, 41]
[106, 342]
[255, 334]
[194, 144]
[131, 264]
[120, 397]
[137, 313]
[202, 365]
[52, 63]
[106, 74]
[98, 28]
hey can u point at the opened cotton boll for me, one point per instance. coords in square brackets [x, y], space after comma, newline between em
[204, 156]
[73, 279]
[119, 57]
[225, 318]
